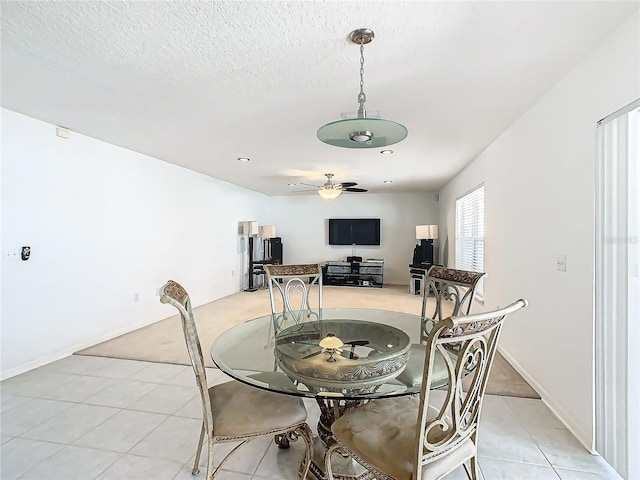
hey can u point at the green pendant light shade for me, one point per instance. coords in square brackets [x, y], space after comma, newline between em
[362, 132]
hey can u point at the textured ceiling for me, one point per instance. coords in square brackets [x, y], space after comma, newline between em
[199, 84]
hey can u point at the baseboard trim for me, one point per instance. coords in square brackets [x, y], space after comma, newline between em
[70, 350]
[38, 362]
[561, 413]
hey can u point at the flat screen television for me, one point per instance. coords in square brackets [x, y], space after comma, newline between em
[354, 231]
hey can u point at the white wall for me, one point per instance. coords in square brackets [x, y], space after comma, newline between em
[302, 222]
[539, 178]
[104, 223]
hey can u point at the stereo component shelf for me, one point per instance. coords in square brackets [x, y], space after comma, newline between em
[368, 273]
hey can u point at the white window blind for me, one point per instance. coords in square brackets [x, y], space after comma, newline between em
[470, 232]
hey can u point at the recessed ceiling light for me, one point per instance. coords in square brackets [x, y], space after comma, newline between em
[388, 181]
[291, 184]
[243, 159]
[386, 152]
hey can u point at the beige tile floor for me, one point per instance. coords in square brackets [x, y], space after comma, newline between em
[103, 418]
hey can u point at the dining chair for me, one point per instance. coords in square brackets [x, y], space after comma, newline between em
[295, 292]
[428, 436]
[451, 292]
[233, 411]
[452, 289]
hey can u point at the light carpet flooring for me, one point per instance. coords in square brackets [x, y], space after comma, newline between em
[163, 341]
[96, 418]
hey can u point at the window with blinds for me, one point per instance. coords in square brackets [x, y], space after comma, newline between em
[470, 233]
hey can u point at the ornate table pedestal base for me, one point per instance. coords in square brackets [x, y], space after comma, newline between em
[373, 355]
[344, 468]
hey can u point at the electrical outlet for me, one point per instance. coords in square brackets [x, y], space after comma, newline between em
[561, 263]
[10, 255]
[136, 297]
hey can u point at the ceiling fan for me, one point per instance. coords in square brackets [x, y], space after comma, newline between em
[331, 190]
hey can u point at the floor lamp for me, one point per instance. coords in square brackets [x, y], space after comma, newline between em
[266, 233]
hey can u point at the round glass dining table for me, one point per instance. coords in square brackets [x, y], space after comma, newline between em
[372, 363]
[375, 351]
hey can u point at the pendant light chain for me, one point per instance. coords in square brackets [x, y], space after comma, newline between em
[362, 113]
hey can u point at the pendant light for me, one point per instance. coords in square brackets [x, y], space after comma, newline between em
[362, 132]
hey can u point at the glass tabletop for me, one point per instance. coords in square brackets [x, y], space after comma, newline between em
[376, 347]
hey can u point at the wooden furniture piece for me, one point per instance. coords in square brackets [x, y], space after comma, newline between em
[233, 411]
[452, 292]
[411, 438]
[369, 273]
[293, 295]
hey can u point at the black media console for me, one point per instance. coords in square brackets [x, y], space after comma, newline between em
[355, 274]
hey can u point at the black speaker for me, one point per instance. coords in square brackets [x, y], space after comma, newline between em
[423, 252]
[354, 259]
[276, 249]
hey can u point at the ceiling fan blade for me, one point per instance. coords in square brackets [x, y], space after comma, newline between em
[348, 184]
[309, 185]
[352, 189]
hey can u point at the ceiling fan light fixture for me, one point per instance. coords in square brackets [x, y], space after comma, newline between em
[329, 193]
[362, 132]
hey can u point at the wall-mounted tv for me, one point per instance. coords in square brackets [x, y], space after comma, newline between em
[354, 231]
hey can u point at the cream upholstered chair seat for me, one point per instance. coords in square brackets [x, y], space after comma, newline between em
[383, 433]
[412, 373]
[233, 405]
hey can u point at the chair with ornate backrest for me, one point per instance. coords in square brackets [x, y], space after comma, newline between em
[427, 437]
[451, 292]
[292, 293]
[233, 411]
